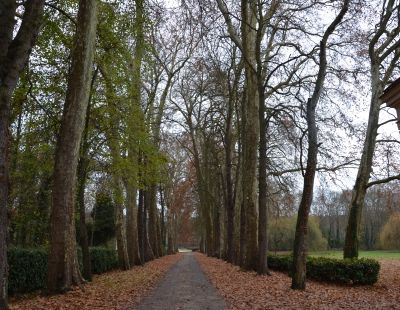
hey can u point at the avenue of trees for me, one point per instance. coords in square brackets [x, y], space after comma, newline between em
[239, 126]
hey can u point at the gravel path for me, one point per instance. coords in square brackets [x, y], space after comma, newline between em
[184, 286]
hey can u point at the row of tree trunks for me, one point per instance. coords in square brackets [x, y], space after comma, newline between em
[248, 42]
[229, 142]
[71, 158]
[112, 135]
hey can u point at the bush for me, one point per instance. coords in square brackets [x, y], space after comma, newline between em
[389, 237]
[280, 262]
[316, 241]
[27, 270]
[103, 259]
[281, 233]
[353, 271]
[356, 271]
[103, 215]
[28, 267]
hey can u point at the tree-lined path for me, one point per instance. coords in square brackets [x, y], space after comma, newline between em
[257, 132]
[185, 286]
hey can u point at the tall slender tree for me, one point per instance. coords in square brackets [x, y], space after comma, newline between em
[14, 53]
[63, 267]
[384, 55]
[136, 218]
[299, 249]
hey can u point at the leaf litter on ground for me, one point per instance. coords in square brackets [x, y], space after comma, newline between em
[247, 290]
[111, 290]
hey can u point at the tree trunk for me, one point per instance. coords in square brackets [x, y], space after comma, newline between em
[262, 190]
[131, 225]
[202, 245]
[208, 227]
[384, 56]
[230, 204]
[160, 249]
[299, 250]
[114, 144]
[162, 221]
[148, 251]
[240, 241]
[242, 237]
[153, 220]
[63, 268]
[217, 231]
[17, 142]
[250, 135]
[135, 127]
[123, 259]
[84, 240]
[364, 170]
[82, 177]
[170, 237]
[83, 166]
[141, 224]
[14, 54]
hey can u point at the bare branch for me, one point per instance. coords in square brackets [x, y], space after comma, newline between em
[382, 181]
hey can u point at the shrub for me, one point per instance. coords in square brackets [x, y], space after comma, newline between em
[102, 259]
[356, 271]
[281, 233]
[27, 269]
[280, 262]
[389, 237]
[316, 241]
[353, 271]
[103, 215]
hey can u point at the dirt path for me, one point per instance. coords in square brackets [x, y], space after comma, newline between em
[184, 286]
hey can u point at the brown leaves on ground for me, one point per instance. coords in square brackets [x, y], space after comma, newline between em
[247, 290]
[111, 290]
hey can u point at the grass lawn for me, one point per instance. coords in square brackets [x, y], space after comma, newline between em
[366, 254]
[339, 254]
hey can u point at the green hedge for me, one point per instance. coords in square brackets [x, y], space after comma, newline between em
[103, 259]
[28, 267]
[280, 262]
[357, 271]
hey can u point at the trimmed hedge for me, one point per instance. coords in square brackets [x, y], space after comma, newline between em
[357, 271]
[280, 262]
[103, 259]
[28, 267]
[27, 270]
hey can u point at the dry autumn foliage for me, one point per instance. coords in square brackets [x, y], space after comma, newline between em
[247, 290]
[112, 290]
